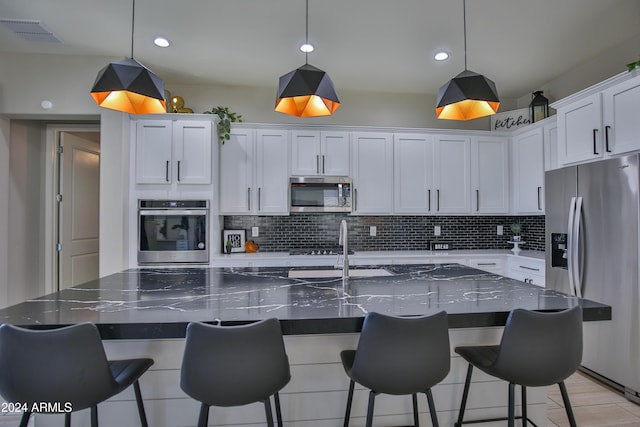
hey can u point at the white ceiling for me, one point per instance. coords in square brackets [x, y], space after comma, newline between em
[381, 45]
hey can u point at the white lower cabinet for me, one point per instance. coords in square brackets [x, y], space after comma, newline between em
[490, 265]
[528, 270]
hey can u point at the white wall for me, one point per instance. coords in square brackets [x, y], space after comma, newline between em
[4, 207]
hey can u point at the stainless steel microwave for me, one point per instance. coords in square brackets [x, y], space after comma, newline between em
[320, 194]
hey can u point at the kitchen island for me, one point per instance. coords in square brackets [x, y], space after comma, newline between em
[144, 312]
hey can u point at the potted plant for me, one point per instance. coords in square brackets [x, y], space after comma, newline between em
[516, 228]
[224, 124]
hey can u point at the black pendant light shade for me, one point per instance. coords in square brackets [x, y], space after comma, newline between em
[467, 96]
[130, 87]
[306, 92]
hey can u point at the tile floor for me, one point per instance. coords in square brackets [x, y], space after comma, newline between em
[594, 405]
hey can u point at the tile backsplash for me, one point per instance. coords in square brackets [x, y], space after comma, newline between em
[281, 233]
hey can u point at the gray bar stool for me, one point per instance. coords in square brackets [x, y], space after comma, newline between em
[64, 365]
[235, 365]
[536, 350]
[399, 356]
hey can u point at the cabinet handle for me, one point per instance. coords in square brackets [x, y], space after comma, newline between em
[323, 164]
[249, 198]
[355, 199]
[179, 169]
[166, 171]
[486, 263]
[477, 200]
[539, 200]
[438, 200]
[317, 164]
[595, 148]
[429, 198]
[529, 268]
[259, 194]
[606, 138]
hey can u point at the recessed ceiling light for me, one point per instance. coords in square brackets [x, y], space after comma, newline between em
[441, 56]
[161, 42]
[307, 47]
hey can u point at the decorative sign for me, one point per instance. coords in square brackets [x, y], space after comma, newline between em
[440, 246]
[233, 241]
[510, 120]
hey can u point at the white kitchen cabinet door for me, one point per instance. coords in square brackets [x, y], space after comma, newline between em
[452, 180]
[272, 172]
[320, 153]
[335, 153]
[490, 175]
[154, 142]
[413, 157]
[236, 173]
[192, 152]
[580, 130]
[372, 172]
[528, 155]
[621, 108]
[305, 153]
[550, 146]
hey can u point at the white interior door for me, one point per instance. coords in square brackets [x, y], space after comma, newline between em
[79, 207]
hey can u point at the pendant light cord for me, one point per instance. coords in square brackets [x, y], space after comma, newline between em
[306, 34]
[464, 26]
[133, 20]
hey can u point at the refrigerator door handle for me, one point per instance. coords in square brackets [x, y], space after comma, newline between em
[570, 245]
[577, 282]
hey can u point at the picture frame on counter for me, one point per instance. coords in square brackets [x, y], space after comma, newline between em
[237, 238]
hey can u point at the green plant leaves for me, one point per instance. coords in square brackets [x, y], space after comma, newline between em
[224, 124]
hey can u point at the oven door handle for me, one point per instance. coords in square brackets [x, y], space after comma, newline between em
[174, 212]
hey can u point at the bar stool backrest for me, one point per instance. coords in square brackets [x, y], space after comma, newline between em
[540, 349]
[402, 355]
[234, 365]
[62, 365]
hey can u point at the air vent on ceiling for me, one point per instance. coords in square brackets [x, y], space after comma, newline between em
[31, 30]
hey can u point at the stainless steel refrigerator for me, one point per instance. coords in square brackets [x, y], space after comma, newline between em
[592, 216]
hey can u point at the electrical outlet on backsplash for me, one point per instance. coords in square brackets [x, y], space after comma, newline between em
[281, 233]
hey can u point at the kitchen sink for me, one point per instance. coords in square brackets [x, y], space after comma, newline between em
[353, 272]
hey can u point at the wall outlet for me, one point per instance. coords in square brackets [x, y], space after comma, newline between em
[255, 231]
[500, 230]
[436, 230]
[372, 230]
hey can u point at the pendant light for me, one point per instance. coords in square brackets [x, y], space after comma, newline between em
[306, 91]
[468, 95]
[129, 86]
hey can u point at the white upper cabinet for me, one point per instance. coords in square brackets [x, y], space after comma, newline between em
[320, 153]
[621, 108]
[372, 171]
[173, 151]
[490, 175]
[600, 121]
[254, 172]
[413, 157]
[236, 172]
[528, 172]
[272, 172]
[452, 170]
[580, 130]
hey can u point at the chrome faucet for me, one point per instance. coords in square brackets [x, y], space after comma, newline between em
[343, 240]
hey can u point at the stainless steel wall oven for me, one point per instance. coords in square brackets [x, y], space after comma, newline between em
[173, 231]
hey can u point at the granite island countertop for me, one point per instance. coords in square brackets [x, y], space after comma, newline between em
[158, 303]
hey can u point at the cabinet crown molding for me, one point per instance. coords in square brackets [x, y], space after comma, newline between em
[596, 88]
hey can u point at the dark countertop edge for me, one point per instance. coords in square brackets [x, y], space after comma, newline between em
[141, 331]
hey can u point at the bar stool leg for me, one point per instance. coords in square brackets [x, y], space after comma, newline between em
[276, 398]
[416, 421]
[524, 406]
[567, 404]
[432, 408]
[94, 416]
[203, 418]
[268, 413]
[372, 399]
[465, 394]
[143, 415]
[512, 406]
[347, 414]
[67, 419]
[25, 419]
